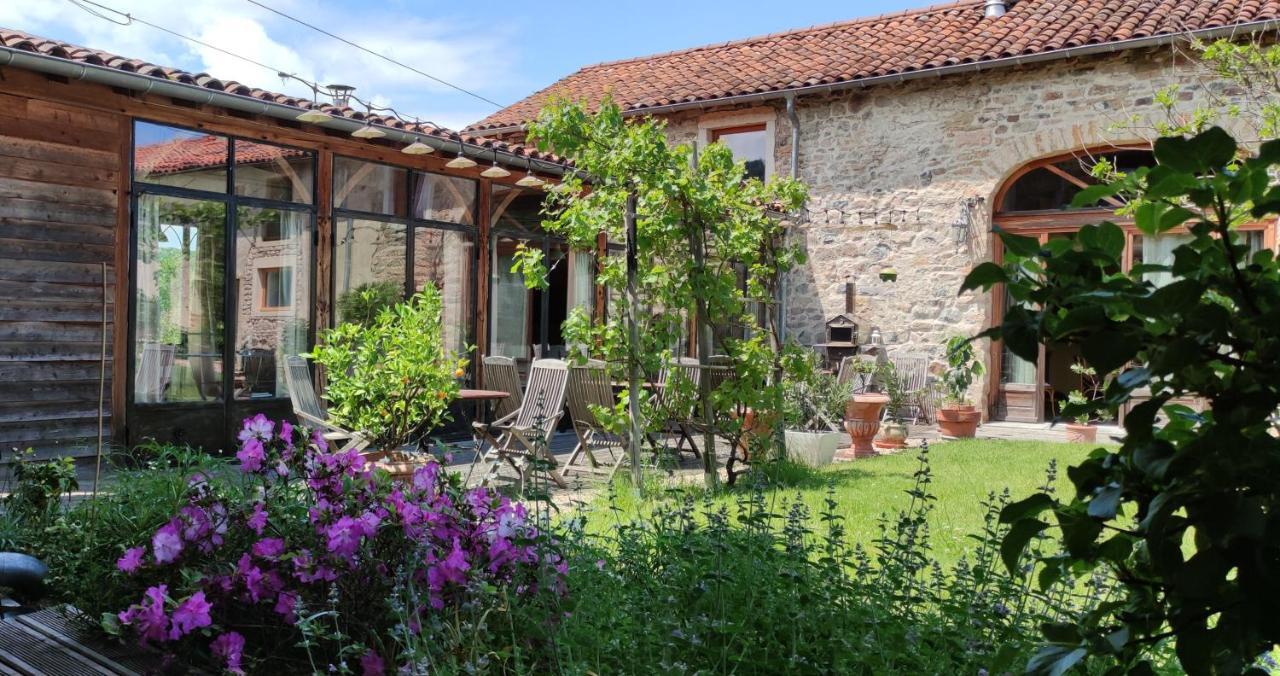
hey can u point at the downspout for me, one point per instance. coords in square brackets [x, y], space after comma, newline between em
[794, 120]
[146, 84]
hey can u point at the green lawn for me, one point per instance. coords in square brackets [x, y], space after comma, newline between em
[964, 472]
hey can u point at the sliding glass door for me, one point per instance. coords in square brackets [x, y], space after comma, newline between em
[223, 237]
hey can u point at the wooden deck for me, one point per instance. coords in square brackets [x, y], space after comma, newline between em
[48, 642]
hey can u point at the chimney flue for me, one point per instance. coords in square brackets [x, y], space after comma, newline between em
[995, 8]
[850, 294]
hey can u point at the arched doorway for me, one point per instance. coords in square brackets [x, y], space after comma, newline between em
[1036, 202]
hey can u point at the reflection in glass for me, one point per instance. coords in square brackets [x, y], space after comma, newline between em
[516, 209]
[368, 255]
[444, 198]
[180, 323]
[748, 144]
[444, 259]
[272, 297]
[369, 187]
[510, 331]
[274, 172]
[180, 158]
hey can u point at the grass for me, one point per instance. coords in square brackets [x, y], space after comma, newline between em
[964, 473]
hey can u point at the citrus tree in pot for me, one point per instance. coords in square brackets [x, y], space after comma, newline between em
[812, 408]
[893, 430]
[392, 378]
[958, 419]
[1080, 404]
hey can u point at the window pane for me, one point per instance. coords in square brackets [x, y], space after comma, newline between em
[510, 334]
[369, 255]
[273, 297]
[274, 172]
[516, 209]
[444, 198]
[1157, 251]
[367, 186]
[749, 146]
[178, 157]
[444, 259]
[180, 324]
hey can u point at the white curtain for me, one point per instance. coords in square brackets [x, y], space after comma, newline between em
[510, 310]
[1158, 250]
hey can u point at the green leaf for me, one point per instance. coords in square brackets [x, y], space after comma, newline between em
[984, 276]
[1105, 503]
[1055, 660]
[1015, 543]
[1208, 150]
[1019, 245]
[1026, 508]
[1093, 194]
[1061, 632]
[1108, 350]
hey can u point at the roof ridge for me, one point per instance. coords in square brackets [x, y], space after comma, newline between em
[955, 4]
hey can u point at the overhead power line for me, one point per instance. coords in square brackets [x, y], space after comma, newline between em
[384, 57]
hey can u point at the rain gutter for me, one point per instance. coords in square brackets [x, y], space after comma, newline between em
[146, 84]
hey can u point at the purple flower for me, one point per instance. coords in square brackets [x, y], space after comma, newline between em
[372, 665]
[148, 617]
[132, 560]
[251, 455]
[268, 548]
[258, 427]
[190, 615]
[258, 520]
[229, 647]
[167, 543]
[344, 536]
[286, 433]
[287, 605]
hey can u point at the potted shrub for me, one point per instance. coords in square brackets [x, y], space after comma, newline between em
[1079, 405]
[893, 431]
[958, 419]
[392, 379]
[813, 404]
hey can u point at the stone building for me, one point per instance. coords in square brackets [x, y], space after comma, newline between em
[916, 131]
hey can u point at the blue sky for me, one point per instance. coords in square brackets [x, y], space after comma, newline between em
[501, 50]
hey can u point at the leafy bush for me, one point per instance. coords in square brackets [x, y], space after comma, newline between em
[812, 400]
[304, 559]
[963, 368]
[362, 304]
[701, 590]
[393, 377]
[1187, 510]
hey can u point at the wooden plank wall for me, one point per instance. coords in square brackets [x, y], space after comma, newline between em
[61, 172]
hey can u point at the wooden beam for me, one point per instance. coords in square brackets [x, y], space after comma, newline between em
[1076, 181]
[483, 277]
[324, 241]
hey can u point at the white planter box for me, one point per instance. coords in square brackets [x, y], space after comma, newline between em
[814, 448]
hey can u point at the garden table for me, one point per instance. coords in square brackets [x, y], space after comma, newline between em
[483, 400]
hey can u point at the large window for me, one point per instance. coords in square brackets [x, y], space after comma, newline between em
[396, 230]
[526, 323]
[222, 285]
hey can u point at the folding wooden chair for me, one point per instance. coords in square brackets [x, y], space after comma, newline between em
[525, 434]
[913, 374]
[677, 412]
[500, 373]
[155, 368]
[590, 388]
[309, 410]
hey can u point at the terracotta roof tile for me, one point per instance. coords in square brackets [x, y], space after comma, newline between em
[20, 40]
[905, 42]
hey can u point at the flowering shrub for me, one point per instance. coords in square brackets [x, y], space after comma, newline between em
[331, 557]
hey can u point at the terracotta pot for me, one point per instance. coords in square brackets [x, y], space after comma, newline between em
[1081, 434]
[862, 420]
[958, 421]
[753, 426]
[398, 464]
[893, 436]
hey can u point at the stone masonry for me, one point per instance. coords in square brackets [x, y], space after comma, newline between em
[903, 176]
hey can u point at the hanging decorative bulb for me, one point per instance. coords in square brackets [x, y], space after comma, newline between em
[529, 180]
[368, 132]
[495, 171]
[461, 161]
[312, 116]
[417, 148]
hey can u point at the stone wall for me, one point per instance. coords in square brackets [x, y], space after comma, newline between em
[903, 176]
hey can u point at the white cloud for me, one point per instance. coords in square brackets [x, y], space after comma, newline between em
[473, 57]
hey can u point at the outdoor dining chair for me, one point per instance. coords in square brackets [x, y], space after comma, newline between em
[525, 434]
[675, 405]
[309, 410]
[590, 389]
[500, 373]
[155, 368]
[913, 378]
[863, 380]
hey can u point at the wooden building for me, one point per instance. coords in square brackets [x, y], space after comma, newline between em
[166, 238]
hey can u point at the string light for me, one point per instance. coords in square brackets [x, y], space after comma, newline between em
[529, 180]
[368, 131]
[495, 171]
[461, 161]
[417, 148]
